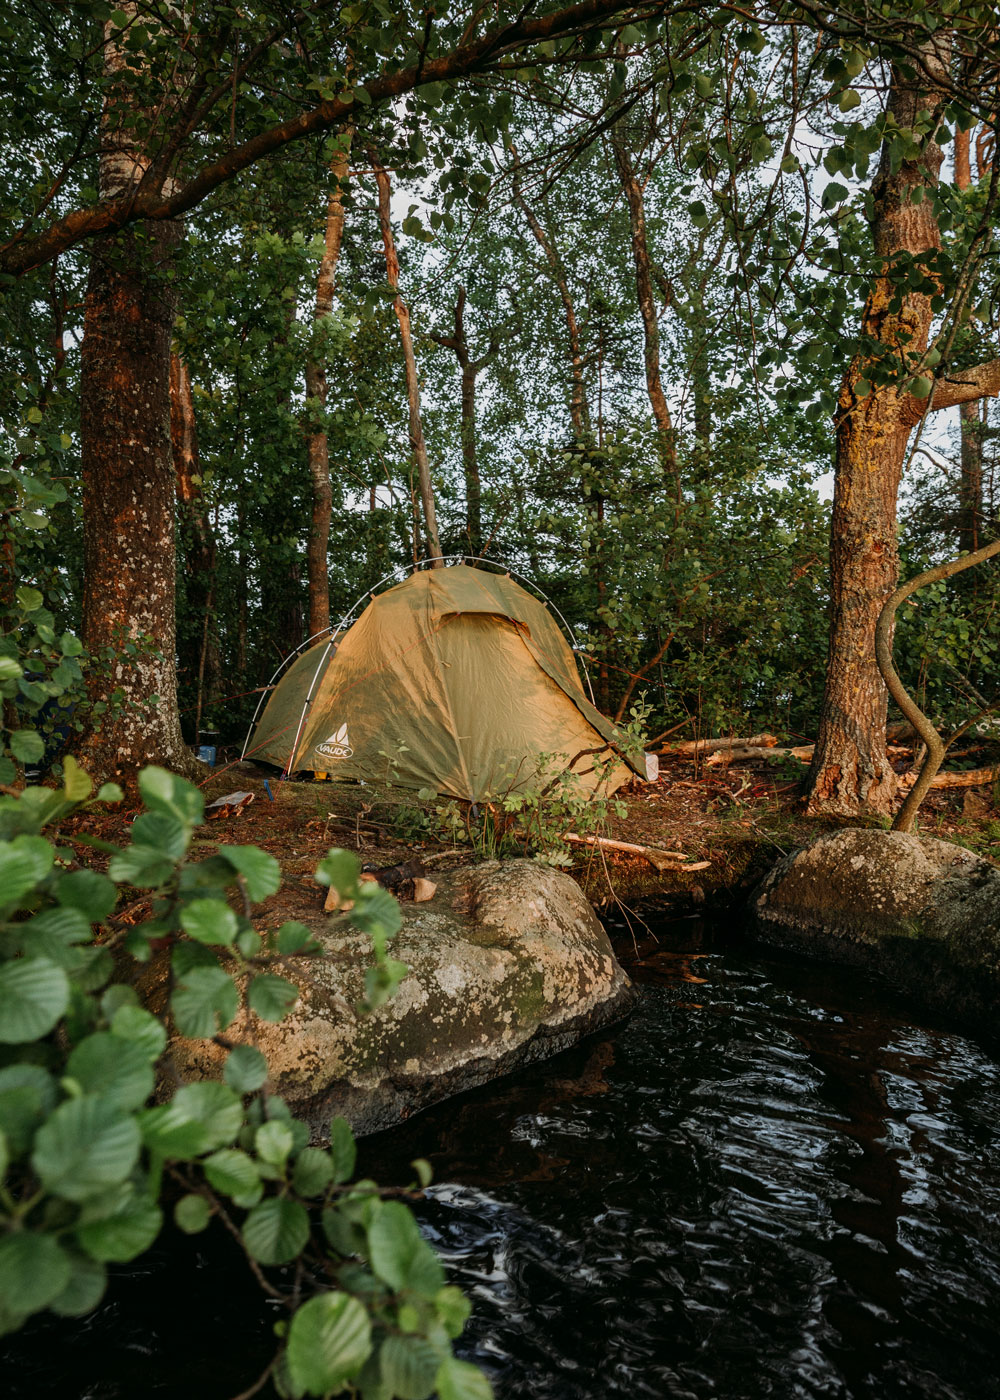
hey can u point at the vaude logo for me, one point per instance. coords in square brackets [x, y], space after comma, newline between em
[337, 746]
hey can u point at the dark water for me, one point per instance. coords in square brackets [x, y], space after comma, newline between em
[771, 1181]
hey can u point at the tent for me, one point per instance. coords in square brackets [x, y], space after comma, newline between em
[454, 680]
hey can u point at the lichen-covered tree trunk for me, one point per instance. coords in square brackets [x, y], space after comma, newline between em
[129, 554]
[316, 394]
[850, 772]
[128, 503]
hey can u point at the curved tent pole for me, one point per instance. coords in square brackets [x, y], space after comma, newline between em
[403, 569]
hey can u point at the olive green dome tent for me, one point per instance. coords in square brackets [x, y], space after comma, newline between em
[455, 680]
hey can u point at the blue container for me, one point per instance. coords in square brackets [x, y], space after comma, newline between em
[206, 752]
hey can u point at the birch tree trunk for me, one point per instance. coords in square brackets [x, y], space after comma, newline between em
[316, 395]
[417, 444]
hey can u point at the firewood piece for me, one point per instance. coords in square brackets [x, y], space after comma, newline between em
[423, 890]
[229, 806]
[972, 777]
[699, 747]
[663, 860]
[333, 903]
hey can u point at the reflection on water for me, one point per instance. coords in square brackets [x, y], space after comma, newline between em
[769, 1182]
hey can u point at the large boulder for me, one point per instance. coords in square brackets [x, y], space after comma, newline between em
[922, 911]
[508, 964]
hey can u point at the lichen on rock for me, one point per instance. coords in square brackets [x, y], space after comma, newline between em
[507, 965]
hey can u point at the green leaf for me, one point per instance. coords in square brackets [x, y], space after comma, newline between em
[340, 869]
[848, 100]
[204, 1002]
[34, 994]
[329, 1340]
[28, 1094]
[93, 894]
[86, 1146]
[24, 863]
[143, 866]
[209, 921]
[192, 1214]
[409, 1366]
[343, 1149]
[231, 1172]
[376, 912]
[425, 1174]
[260, 871]
[273, 1142]
[453, 1309]
[166, 792]
[29, 599]
[76, 783]
[135, 1024]
[399, 1254]
[116, 1068]
[313, 1172]
[50, 933]
[161, 831]
[34, 1270]
[458, 1380]
[122, 1232]
[199, 1118]
[10, 670]
[293, 937]
[920, 386]
[110, 792]
[246, 1069]
[276, 1231]
[85, 1289]
[27, 745]
[271, 997]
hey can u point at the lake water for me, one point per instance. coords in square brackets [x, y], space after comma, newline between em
[773, 1180]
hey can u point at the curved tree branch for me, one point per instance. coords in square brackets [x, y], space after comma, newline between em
[936, 747]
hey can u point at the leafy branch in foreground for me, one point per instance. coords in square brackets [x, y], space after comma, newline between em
[90, 1157]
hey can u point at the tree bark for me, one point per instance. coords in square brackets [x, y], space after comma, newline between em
[850, 772]
[579, 408]
[647, 302]
[417, 444]
[316, 395]
[199, 653]
[128, 477]
[970, 505]
[470, 371]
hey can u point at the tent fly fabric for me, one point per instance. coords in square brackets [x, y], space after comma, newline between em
[455, 680]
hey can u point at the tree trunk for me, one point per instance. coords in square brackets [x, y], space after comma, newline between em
[199, 652]
[850, 772]
[417, 444]
[647, 302]
[579, 408]
[316, 394]
[128, 476]
[128, 502]
[470, 370]
[970, 505]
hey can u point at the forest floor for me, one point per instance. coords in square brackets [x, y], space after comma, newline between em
[739, 820]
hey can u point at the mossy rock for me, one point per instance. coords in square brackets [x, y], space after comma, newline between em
[923, 911]
[508, 964]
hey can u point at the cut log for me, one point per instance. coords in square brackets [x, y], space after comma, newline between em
[229, 806]
[663, 860]
[804, 752]
[697, 748]
[972, 777]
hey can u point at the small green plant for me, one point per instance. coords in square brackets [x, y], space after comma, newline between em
[85, 1147]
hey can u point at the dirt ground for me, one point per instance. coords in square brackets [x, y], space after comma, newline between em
[739, 819]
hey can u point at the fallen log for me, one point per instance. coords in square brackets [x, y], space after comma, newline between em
[971, 777]
[663, 860]
[726, 756]
[695, 748]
